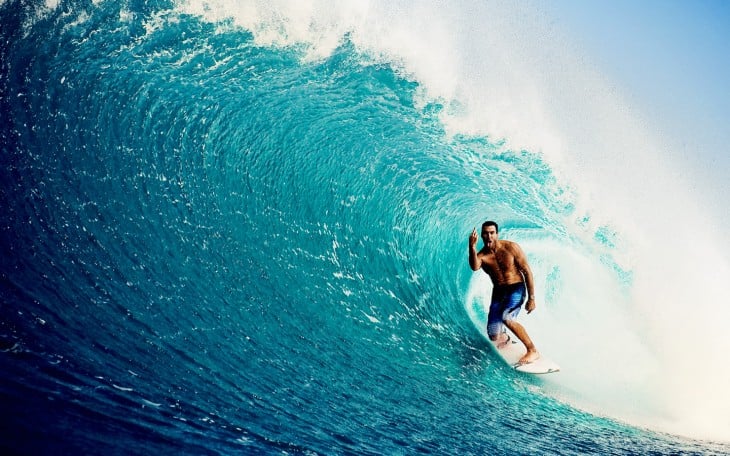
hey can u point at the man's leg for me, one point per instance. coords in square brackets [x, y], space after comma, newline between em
[495, 328]
[500, 340]
[519, 331]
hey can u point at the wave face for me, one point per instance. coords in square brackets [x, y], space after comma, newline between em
[214, 245]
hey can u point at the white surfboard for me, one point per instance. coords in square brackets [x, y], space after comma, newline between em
[514, 350]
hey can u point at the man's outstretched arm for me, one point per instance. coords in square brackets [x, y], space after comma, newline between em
[524, 268]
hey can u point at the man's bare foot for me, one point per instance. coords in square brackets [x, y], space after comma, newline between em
[503, 340]
[530, 356]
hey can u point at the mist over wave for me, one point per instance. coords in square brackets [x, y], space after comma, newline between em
[248, 223]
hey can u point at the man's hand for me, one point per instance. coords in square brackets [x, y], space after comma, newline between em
[473, 238]
[474, 261]
[530, 306]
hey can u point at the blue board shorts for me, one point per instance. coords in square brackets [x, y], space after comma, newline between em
[506, 303]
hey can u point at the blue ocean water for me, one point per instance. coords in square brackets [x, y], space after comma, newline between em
[216, 246]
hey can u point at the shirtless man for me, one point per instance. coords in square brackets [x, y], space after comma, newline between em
[506, 264]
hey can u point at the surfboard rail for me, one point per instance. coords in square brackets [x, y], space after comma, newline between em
[514, 350]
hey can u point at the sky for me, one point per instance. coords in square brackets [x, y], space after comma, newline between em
[671, 59]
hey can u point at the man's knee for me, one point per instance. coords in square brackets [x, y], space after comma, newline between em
[511, 324]
[494, 329]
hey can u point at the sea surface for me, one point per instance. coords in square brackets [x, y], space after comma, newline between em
[215, 242]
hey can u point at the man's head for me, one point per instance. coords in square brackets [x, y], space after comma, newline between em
[490, 223]
[490, 233]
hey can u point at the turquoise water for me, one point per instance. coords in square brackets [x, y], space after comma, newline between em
[216, 246]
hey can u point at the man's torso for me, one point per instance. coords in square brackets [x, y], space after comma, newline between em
[500, 265]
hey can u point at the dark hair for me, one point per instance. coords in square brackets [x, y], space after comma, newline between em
[491, 223]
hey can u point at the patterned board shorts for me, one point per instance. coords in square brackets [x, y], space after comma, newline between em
[506, 303]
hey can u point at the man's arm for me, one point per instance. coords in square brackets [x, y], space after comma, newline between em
[524, 268]
[474, 261]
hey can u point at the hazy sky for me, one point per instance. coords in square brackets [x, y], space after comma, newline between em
[671, 58]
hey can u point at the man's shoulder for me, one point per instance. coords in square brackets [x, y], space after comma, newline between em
[485, 253]
[512, 246]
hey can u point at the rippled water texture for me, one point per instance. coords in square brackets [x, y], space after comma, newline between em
[212, 246]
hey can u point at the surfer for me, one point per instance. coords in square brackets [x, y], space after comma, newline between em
[506, 264]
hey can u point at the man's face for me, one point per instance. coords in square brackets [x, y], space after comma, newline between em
[489, 235]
